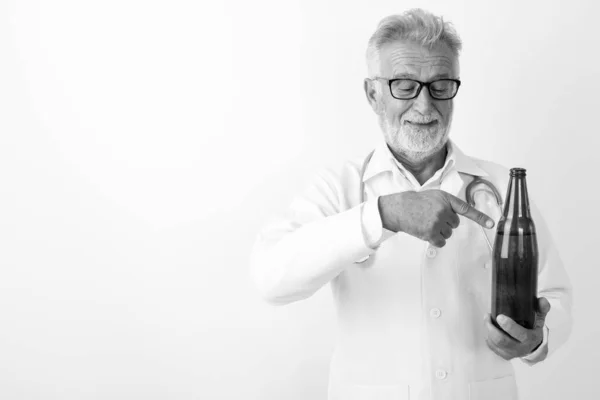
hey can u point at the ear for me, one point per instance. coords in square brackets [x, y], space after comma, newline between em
[373, 95]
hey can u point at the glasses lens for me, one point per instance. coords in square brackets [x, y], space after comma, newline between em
[404, 88]
[443, 89]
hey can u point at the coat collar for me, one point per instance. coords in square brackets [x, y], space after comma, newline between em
[383, 160]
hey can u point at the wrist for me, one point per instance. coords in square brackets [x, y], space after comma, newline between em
[382, 206]
[538, 345]
[388, 206]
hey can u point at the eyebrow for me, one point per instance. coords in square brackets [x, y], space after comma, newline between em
[411, 76]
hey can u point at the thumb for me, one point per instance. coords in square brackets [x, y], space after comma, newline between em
[542, 311]
[543, 306]
[463, 208]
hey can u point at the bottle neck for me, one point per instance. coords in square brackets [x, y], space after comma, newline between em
[517, 198]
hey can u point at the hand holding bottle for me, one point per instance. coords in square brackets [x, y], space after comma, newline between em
[513, 340]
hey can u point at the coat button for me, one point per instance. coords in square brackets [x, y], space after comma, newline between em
[435, 312]
[441, 374]
[431, 252]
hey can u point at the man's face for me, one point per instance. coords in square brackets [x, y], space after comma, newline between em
[416, 128]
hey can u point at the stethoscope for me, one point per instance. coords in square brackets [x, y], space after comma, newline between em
[469, 194]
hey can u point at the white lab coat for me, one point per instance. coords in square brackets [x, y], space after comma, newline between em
[410, 316]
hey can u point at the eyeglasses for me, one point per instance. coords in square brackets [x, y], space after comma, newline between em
[406, 89]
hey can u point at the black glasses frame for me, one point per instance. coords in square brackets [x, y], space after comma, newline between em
[421, 84]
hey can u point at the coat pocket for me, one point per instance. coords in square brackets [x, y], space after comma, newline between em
[370, 392]
[504, 388]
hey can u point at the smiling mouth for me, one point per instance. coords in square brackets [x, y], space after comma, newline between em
[423, 124]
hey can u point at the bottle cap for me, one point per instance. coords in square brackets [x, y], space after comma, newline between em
[518, 172]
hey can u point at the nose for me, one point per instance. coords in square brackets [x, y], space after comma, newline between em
[423, 103]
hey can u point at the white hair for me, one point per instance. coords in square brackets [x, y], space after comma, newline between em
[414, 25]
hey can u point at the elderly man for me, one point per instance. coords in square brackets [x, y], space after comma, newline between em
[404, 253]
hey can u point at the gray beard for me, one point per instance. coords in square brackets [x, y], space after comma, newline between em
[413, 143]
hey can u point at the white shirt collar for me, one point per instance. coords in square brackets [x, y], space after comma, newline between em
[383, 160]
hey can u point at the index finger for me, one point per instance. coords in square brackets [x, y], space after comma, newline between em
[463, 208]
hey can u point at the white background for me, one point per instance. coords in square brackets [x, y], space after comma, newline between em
[143, 144]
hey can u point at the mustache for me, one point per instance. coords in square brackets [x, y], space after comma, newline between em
[421, 119]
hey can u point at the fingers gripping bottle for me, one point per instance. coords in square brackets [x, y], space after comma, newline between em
[515, 257]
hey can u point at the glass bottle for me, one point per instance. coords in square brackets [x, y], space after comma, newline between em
[515, 258]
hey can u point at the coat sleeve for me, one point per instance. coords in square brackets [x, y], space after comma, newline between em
[553, 284]
[320, 236]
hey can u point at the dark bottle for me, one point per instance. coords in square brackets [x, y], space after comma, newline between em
[515, 260]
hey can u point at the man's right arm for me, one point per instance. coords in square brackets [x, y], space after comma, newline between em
[318, 238]
[295, 256]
